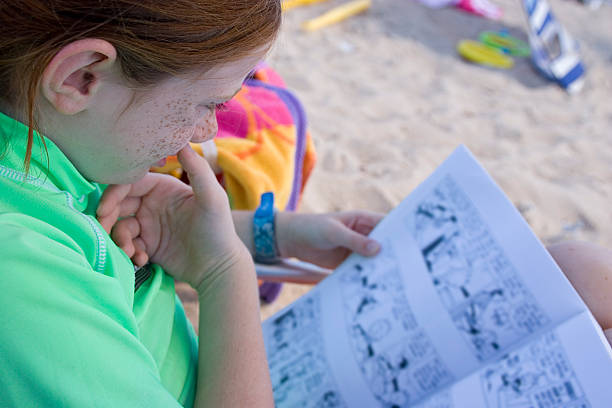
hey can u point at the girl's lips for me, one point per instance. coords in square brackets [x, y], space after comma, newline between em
[196, 136]
[160, 163]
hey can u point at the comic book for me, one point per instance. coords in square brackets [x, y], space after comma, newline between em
[463, 307]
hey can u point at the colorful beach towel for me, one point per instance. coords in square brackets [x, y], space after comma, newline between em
[262, 145]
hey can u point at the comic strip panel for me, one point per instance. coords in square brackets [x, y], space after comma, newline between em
[395, 355]
[539, 375]
[476, 283]
[300, 372]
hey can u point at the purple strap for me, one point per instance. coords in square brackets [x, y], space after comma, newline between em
[269, 291]
[299, 117]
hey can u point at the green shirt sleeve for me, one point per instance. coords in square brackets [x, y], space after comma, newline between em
[68, 336]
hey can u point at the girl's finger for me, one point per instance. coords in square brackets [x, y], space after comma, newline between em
[140, 257]
[115, 194]
[201, 177]
[124, 233]
[129, 206]
[109, 220]
[126, 246]
[354, 241]
[366, 222]
[111, 198]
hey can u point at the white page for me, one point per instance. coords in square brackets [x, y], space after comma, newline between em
[482, 259]
[459, 281]
[567, 367]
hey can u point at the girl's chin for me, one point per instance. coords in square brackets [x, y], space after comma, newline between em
[133, 175]
[125, 178]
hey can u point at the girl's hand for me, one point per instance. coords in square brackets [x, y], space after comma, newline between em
[188, 230]
[326, 239]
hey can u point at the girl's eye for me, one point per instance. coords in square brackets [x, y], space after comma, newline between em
[217, 106]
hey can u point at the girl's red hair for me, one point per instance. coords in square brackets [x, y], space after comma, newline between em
[153, 38]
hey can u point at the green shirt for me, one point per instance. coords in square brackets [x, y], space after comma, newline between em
[73, 332]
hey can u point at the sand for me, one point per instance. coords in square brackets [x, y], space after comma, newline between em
[388, 99]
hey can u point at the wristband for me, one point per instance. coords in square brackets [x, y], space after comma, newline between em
[264, 234]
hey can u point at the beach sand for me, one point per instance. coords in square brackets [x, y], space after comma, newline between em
[388, 99]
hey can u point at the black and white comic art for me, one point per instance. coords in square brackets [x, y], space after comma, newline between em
[477, 284]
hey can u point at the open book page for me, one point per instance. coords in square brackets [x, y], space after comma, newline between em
[460, 282]
[564, 367]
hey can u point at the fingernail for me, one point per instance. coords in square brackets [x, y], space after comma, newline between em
[372, 247]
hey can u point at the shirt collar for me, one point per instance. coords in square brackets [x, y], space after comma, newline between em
[58, 170]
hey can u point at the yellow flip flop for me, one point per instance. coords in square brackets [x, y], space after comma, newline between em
[479, 53]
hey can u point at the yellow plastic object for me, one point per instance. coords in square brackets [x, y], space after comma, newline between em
[289, 4]
[484, 55]
[337, 14]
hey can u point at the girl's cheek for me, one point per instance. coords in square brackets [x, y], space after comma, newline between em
[181, 136]
[202, 111]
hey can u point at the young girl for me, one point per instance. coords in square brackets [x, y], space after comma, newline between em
[112, 88]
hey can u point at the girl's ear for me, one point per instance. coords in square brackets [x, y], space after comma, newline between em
[73, 75]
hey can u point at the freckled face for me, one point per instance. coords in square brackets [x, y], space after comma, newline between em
[159, 122]
[163, 121]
